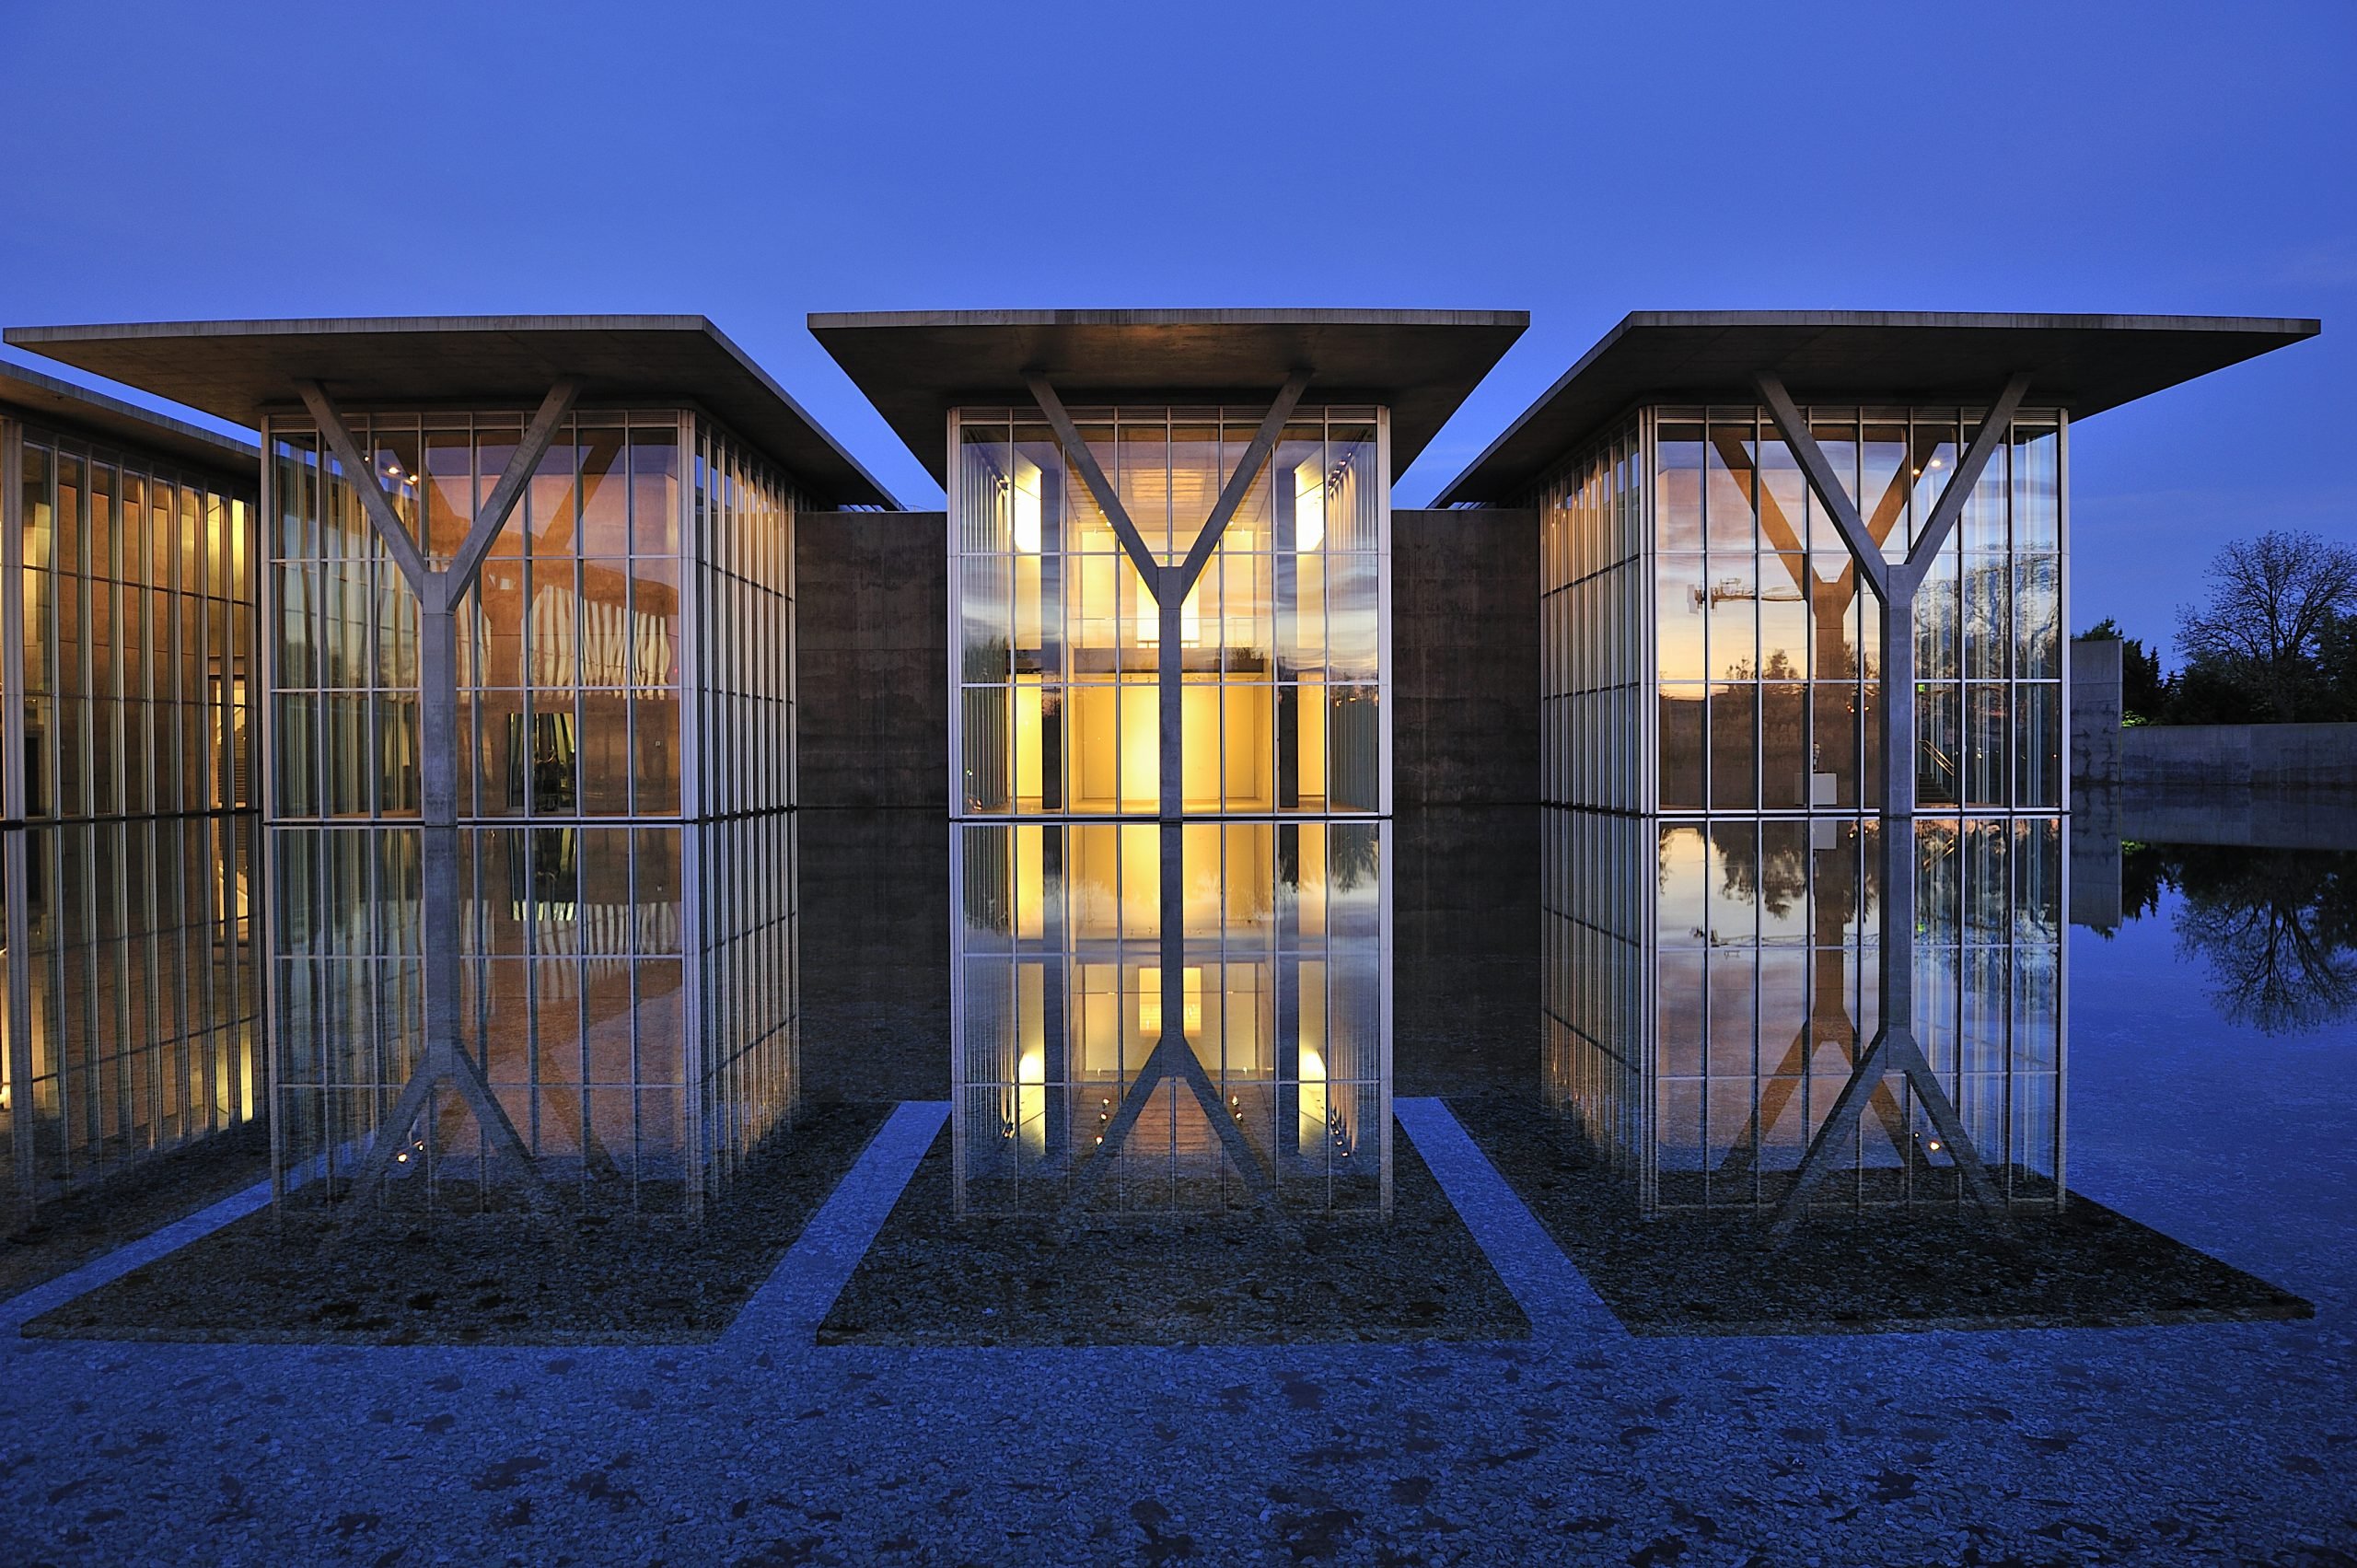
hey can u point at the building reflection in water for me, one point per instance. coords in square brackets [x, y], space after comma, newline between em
[1709, 983]
[133, 997]
[1060, 1002]
[630, 991]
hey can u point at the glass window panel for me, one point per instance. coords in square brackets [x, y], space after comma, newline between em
[2037, 755]
[1939, 622]
[1885, 484]
[1785, 632]
[1733, 722]
[1143, 480]
[1356, 489]
[1986, 727]
[1931, 464]
[2037, 599]
[1353, 590]
[1678, 486]
[655, 735]
[1783, 746]
[1939, 751]
[655, 491]
[1196, 476]
[605, 499]
[1728, 515]
[396, 467]
[1833, 745]
[1988, 615]
[449, 490]
[1680, 599]
[1734, 617]
[1681, 731]
[2038, 487]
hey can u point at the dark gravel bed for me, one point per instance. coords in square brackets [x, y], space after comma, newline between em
[69, 1232]
[1863, 1271]
[500, 1277]
[1233, 1277]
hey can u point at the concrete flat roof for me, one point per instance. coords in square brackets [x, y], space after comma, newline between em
[46, 400]
[915, 365]
[2081, 364]
[237, 370]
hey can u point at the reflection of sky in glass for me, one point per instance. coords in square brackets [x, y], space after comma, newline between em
[1709, 984]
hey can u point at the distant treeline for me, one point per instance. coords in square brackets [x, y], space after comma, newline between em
[2275, 644]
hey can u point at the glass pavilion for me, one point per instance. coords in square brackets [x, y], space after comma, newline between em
[531, 738]
[1770, 541]
[132, 991]
[1170, 761]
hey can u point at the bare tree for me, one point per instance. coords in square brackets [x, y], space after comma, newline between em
[2272, 599]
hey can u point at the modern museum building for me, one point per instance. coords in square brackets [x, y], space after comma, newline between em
[536, 756]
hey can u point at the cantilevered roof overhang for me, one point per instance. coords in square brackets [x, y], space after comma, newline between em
[45, 399]
[236, 370]
[915, 365]
[2081, 364]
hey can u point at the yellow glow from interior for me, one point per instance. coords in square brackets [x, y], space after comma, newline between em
[1308, 508]
[1027, 506]
[1191, 620]
[1191, 1014]
[1030, 773]
[1030, 882]
[1313, 1098]
[1310, 743]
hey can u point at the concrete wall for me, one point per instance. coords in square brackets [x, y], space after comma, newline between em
[1464, 659]
[871, 626]
[2096, 709]
[1464, 976]
[2298, 759]
[870, 609]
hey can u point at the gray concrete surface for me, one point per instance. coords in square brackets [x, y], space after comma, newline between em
[871, 627]
[1464, 659]
[2095, 708]
[2293, 759]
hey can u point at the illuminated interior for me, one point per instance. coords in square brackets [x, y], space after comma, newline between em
[1279, 642]
[1062, 1001]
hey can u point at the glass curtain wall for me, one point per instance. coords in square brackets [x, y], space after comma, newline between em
[1282, 999]
[1282, 991]
[1057, 635]
[1592, 613]
[1759, 642]
[1708, 984]
[131, 990]
[625, 676]
[1711, 669]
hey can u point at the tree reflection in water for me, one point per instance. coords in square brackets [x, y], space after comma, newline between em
[2278, 928]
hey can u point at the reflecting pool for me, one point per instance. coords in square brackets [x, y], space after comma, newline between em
[1102, 1057]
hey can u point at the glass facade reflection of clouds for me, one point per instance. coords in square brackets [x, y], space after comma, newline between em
[1708, 646]
[626, 718]
[1709, 983]
[1721, 959]
[1063, 971]
[133, 994]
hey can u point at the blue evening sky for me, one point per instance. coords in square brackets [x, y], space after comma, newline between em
[754, 162]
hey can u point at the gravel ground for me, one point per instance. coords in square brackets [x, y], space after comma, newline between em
[68, 1233]
[2214, 1443]
[1862, 1271]
[394, 1276]
[1218, 1278]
